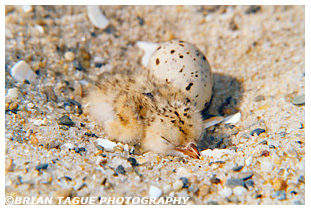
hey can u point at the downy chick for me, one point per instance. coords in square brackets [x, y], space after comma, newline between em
[136, 108]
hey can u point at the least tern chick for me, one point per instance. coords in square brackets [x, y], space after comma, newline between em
[137, 108]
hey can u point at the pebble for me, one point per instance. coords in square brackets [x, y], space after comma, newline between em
[299, 100]
[226, 192]
[155, 192]
[97, 18]
[183, 194]
[69, 145]
[235, 182]
[64, 193]
[120, 170]
[258, 131]
[239, 190]
[65, 120]
[249, 161]
[42, 166]
[233, 119]
[49, 92]
[13, 93]
[194, 188]
[249, 183]
[279, 184]
[69, 56]
[21, 71]
[107, 144]
[212, 203]
[267, 166]
[132, 161]
[203, 190]
[167, 188]
[245, 175]
[185, 182]
[37, 122]
[183, 172]
[280, 195]
[215, 180]
[177, 185]
[237, 168]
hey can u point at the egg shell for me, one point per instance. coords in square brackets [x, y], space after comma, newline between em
[184, 66]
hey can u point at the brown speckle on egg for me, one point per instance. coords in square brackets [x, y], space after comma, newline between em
[181, 69]
[189, 86]
[157, 61]
[182, 45]
[181, 56]
[172, 51]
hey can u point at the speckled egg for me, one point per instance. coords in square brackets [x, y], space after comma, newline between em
[184, 66]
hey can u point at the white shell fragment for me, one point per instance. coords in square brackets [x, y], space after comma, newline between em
[107, 144]
[21, 71]
[155, 192]
[69, 145]
[216, 153]
[96, 17]
[233, 119]
[149, 48]
[13, 93]
[212, 121]
[184, 66]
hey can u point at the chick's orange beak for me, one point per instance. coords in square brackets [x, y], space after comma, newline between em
[191, 150]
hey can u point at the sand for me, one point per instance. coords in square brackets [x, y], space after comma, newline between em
[257, 57]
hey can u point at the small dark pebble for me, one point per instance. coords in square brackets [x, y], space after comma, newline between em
[37, 72]
[230, 126]
[235, 182]
[110, 30]
[265, 153]
[301, 179]
[263, 142]
[42, 166]
[280, 195]
[252, 9]
[212, 203]
[98, 65]
[82, 185]
[257, 131]
[237, 168]
[258, 196]
[246, 175]
[215, 180]
[82, 125]
[293, 192]
[132, 161]
[218, 161]
[271, 146]
[77, 104]
[78, 66]
[103, 155]
[185, 182]
[249, 183]
[299, 142]
[120, 170]
[65, 120]
[67, 178]
[140, 21]
[90, 134]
